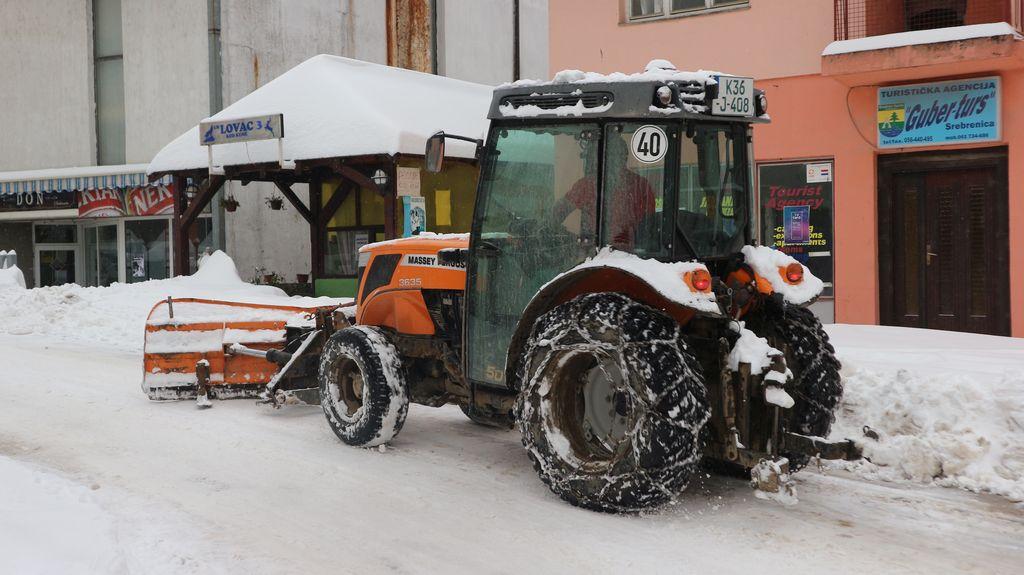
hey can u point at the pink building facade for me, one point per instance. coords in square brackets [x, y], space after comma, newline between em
[897, 127]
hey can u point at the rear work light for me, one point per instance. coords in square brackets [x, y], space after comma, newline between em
[700, 279]
[794, 273]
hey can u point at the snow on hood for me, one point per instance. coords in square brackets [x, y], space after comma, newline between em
[336, 106]
[766, 263]
[666, 278]
[115, 315]
[463, 237]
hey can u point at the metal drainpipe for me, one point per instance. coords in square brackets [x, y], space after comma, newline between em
[515, 40]
[216, 83]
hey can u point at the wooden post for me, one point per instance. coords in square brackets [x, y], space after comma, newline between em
[180, 239]
[315, 231]
[390, 227]
[185, 214]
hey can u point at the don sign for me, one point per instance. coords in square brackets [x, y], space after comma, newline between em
[954, 112]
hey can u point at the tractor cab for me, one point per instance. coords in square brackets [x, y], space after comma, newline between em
[656, 164]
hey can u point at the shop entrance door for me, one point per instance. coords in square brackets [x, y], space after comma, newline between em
[55, 266]
[944, 243]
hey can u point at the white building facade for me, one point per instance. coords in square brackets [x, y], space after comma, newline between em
[92, 89]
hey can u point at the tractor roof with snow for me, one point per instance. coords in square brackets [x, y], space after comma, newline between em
[660, 92]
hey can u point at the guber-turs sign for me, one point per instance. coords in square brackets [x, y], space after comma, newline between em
[268, 127]
[937, 113]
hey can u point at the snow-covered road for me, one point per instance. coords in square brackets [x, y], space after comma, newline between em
[242, 488]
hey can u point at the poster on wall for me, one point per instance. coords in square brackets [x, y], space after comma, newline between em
[414, 215]
[936, 113]
[796, 214]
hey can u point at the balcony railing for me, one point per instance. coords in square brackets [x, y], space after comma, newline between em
[861, 18]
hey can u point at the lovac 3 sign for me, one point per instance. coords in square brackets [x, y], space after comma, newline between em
[953, 112]
[267, 127]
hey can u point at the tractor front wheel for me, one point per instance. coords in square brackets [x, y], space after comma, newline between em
[362, 386]
[817, 385]
[612, 404]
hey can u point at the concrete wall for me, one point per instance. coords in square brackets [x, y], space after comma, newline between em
[261, 40]
[46, 84]
[767, 39]
[166, 72]
[475, 39]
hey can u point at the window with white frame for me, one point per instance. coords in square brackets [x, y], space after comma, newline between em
[646, 9]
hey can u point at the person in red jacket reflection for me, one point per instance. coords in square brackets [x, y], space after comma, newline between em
[630, 199]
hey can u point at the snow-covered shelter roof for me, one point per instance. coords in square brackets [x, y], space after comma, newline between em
[339, 107]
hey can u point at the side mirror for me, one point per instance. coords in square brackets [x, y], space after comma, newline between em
[434, 153]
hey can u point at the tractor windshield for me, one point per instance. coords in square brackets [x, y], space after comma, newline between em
[536, 219]
[713, 189]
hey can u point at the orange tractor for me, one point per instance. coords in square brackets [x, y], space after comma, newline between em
[610, 302]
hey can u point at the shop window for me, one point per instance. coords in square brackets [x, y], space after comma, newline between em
[341, 257]
[101, 255]
[147, 250]
[56, 266]
[796, 214]
[448, 196]
[358, 221]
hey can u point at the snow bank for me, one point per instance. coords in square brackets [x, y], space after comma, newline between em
[115, 316]
[948, 407]
[11, 278]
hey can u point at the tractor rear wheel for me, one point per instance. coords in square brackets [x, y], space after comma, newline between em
[362, 386]
[612, 404]
[817, 386]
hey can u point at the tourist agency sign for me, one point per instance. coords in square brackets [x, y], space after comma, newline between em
[954, 112]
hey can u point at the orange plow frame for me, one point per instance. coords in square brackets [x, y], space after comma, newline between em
[174, 345]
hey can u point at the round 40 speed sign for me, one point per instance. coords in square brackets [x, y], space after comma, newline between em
[649, 144]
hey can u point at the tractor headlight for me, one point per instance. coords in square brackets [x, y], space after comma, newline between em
[665, 95]
[762, 104]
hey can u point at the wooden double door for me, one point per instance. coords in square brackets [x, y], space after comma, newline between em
[944, 241]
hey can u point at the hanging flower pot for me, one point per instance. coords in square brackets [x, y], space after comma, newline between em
[275, 202]
[230, 203]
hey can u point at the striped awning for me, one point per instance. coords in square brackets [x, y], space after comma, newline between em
[77, 183]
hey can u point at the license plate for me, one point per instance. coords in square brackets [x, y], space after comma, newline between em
[735, 97]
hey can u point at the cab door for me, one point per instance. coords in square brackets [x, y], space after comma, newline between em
[535, 218]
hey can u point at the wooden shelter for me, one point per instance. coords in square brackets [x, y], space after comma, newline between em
[354, 132]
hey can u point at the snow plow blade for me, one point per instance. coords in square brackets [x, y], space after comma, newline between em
[181, 333]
